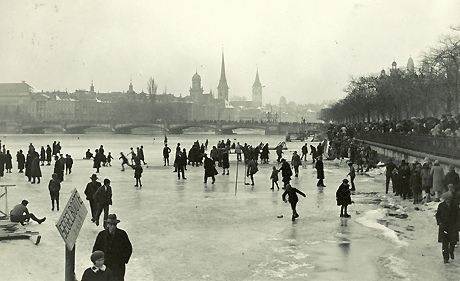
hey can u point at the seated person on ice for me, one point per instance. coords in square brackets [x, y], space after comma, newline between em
[21, 214]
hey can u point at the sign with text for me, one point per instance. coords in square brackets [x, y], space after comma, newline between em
[71, 220]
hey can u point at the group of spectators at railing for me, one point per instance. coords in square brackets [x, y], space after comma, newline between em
[447, 126]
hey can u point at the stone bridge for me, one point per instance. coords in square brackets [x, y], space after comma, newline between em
[219, 127]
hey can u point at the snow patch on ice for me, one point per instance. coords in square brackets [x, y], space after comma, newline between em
[298, 256]
[397, 266]
[284, 270]
[313, 243]
[370, 218]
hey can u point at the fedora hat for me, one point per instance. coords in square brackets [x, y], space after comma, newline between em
[93, 176]
[112, 218]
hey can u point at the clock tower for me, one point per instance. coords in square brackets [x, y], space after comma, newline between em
[257, 92]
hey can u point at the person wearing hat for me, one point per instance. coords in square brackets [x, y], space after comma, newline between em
[437, 174]
[98, 271]
[291, 192]
[447, 217]
[209, 169]
[54, 187]
[103, 198]
[91, 188]
[296, 162]
[21, 214]
[343, 197]
[166, 152]
[114, 242]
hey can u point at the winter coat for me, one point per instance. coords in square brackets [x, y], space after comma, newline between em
[8, 163]
[54, 185]
[21, 159]
[252, 168]
[117, 249]
[97, 160]
[416, 182]
[286, 171]
[437, 173]
[91, 189]
[35, 170]
[343, 195]
[452, 178]
[447, 218]
[295, 160]
[102, 196]
[138, 171]
[48, 153]
[319, 169]
[209, 168]
[425, 174]
[225, 161]
[292, 195]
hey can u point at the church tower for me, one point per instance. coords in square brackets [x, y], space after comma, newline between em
[196, 91]
[222, 88]
[91, 88]
[410, 65]
[131, 87]
[257, 92]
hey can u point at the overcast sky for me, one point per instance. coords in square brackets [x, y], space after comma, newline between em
[304, 50]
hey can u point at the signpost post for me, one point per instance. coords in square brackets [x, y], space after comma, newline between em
[69, 225]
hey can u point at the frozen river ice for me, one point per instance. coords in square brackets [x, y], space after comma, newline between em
[188, 230]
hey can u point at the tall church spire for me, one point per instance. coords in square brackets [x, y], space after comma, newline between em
[257, 91]
[222, 88]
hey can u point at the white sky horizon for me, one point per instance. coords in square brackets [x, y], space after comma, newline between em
[304, 50]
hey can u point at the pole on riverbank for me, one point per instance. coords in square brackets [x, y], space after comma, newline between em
[236, 177]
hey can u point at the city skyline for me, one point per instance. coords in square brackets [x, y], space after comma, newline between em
[303, 50]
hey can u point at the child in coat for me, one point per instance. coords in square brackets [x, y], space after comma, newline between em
[98, 271]
[343, 196]
[54, 187]
[274, 178]
[109, 159]
[138, 173]
[293, 199]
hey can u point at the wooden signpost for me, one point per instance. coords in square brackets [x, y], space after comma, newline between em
[69, 225]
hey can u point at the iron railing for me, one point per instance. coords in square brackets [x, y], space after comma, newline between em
[439, 146]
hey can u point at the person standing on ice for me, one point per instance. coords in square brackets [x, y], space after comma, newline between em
[343, 197]
[209, 169]
[274, 178]
[115, 244]
[90, 189]
[103, 198]
[54, 187]
[437, 173]
[286, 172]
[320, 171]
[291, 192]
[252, 169]
[166, 152]
[352, 175]
[447, 217]
[390, 166]
[296, 162]
[304, 152]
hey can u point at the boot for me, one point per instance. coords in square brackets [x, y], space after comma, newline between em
[52, 205]
[42, 220]
[57, 204]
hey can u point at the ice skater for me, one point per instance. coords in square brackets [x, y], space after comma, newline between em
[292, 198]
[343, 197]
[54, 187]
[252, 169]
[124, 161]
[447, 218]
[109, 159]
[274, 178]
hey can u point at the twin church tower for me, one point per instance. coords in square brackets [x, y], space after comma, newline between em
[196, 91]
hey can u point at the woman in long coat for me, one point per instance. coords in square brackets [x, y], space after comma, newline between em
[447, 218]
[437, 174]
[35, 171]
[28, 173]
[320, 171]
[8, 162]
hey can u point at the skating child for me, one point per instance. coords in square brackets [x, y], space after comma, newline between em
[274, 178]
[109, 159]
[98, 271]
[138, 173]
[293, 199]
[54, 187]
[343, 196]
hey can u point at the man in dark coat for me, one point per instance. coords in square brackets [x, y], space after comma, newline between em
[209, 169]
[115, 244]
[21, 159]
[97, 160]
[320, 171]
[103, 198]
[48, 154]
[447, 218]
[58, 169]
[291, 192]
[390, 166]
[90, 190]
[35, 171]
[343, 197]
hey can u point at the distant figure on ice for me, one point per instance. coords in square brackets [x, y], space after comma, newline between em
[137, 173]
[252, 169]
[48, 155]
[54, 187]
[304, 152]
[21, 214]
[8, 161]
[352, 175]
[343, 197]
[98, 271]
[320, 171]
[90, 190]
[291, 192]
[447, 218]
[274, 178]
[115, 244]
[109, 159]
[42, 156]
[390, 166]
[225, 162]
[166, 152]
[286, 172]
[21, 159]
[296, 162]
[88, 154]
[140, 154]
[58, 168]
[97, 160]
[68, 164]
[35, 171]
